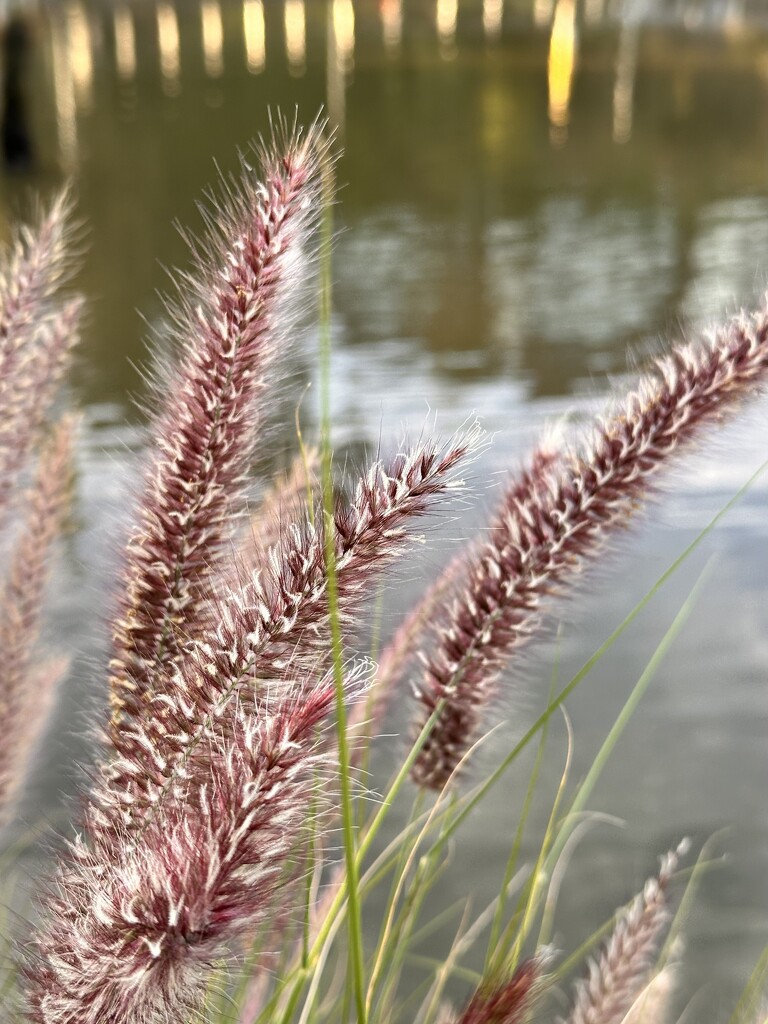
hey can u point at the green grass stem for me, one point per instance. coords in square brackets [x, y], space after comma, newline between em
[354, 913]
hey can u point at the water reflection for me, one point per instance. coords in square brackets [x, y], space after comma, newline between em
[255, 35]
[392, 24]
[493, 17]
[593, 11]
[560, 67]
[343, 20]
[446, 16]
[79, 53]
[17, 145]
[340, 59]
[542, 12]
[125, 42]
[213, 38]
[64, 96]
[169, 47]
[489, 135]
[295, 35]
[325, 34]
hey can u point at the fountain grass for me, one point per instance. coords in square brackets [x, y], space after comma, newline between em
[202, 887]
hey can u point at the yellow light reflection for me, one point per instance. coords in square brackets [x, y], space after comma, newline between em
[446, 15]
[170, 51]
[295, 35]
[64, 94]
[125, 43]
[562, 61]
[624, 86]
[542, 12]
[255, 35]
[493, 15]
[344, 33]
[213, 38]
[392, 24]
[80, 58]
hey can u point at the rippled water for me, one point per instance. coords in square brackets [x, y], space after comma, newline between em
[524, 203]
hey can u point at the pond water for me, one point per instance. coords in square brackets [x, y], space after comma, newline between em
[532, 195]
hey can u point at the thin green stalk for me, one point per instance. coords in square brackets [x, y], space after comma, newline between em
[704, 862]
[638, 692]
[356, 952]
[461, 946]
[311, 868]
[560, 868]
[501, 907]
[401, 868]
[427, 874]
[366, 738]
[465, 973]
[508, 965]
[305, 458]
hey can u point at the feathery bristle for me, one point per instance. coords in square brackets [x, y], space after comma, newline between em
[233, 318]
[38, 330]
[136, 923]
[546, 528]
[275, 627]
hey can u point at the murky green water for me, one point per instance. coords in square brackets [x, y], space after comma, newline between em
[530, 191]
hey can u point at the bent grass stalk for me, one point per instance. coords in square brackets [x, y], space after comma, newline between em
[514, 853]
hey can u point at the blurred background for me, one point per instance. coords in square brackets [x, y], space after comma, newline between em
[532, 194]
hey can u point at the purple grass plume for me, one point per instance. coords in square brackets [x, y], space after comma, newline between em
[33, 268]
[135, 926]
[558, 516]
[235, 313]
[275, 626]
[617, 977]
[26, 686]
[38, 331]
[508, 1001]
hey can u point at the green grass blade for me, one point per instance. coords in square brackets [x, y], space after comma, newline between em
[638, 692]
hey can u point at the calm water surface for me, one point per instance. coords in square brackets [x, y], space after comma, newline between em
[531, 192]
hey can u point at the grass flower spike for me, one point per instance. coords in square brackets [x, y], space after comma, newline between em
[25, 688]
[506, 1002]
[275, 626]
[131, 937]
[549, 524]
[235, 313]
[620, 973]
[228, 823]
[38, 330]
